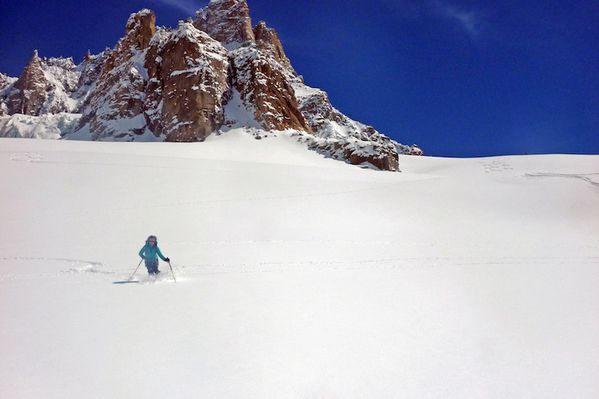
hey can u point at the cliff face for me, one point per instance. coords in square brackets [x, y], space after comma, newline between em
[176, 85]
[188, 84]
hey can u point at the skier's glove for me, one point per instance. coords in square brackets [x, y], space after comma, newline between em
[167, 260]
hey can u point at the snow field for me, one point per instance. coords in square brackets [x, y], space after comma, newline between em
[298, 276]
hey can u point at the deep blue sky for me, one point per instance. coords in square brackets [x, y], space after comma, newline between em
[460, 78]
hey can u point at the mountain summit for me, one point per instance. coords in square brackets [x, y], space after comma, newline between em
[211, 73]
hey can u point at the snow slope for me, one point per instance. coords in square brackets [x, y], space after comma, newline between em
[299, 276]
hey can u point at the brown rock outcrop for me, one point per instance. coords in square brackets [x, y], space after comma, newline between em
[382, 157]
[268, 40]
[227, 21]
[139, 29]
[188, 84]
[415, 150]
[264, 87]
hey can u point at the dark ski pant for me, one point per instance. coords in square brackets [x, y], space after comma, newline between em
[152, 266]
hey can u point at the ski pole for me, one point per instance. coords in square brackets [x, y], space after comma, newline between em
[135, 270]
[169, 265]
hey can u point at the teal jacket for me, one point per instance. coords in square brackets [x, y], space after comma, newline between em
[149, 252]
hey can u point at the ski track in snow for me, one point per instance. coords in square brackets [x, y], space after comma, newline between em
[197, 270]
[39, 158]
[497, 165]
[582, 176]
[25, 157]
[68, 266]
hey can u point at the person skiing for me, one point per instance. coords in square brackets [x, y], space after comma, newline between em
[150, 253]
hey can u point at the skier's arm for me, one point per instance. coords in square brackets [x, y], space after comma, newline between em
[141, 252]
[160, 254]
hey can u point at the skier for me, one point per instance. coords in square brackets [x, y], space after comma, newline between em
[150, 253]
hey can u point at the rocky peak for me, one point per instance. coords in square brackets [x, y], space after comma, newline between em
[140, 28]
[30, 93]
[33, 71]
[267, 39]
[227, 21]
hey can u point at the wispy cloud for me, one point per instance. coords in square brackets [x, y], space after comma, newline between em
[468, 20]
[189, 6]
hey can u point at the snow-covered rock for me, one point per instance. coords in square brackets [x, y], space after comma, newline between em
[114, 109]
[90, 69]
[265, 88]
[5, 82]
[415, 150]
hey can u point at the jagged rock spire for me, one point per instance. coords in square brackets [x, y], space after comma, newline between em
[140, 28]
[267, 39]
[227, 21]
[31, 89]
